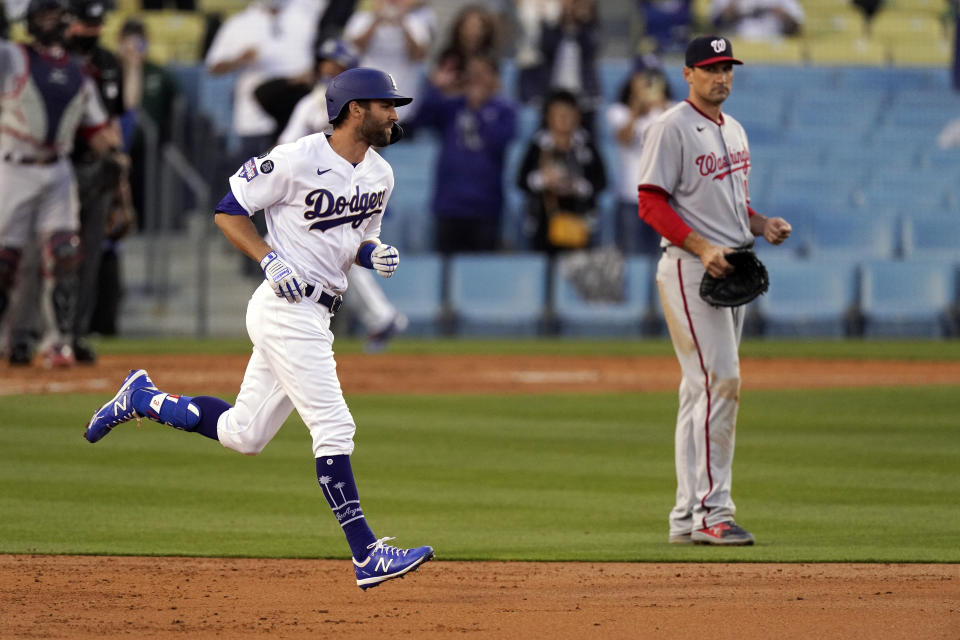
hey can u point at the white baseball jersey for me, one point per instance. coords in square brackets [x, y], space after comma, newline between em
[704, 167]
[319, 207]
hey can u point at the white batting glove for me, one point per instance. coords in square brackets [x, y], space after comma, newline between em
[285, 281]
[385, 259]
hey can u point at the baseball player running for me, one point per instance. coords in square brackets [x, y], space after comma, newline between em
[323, 197]
[377, 314]
[693, 191]
[45, 99]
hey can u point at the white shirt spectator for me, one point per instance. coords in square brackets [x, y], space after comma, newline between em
[387, 49]
[759, 19]
[284, 45]
[618, 115]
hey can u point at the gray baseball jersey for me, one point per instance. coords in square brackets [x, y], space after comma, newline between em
[704, 167]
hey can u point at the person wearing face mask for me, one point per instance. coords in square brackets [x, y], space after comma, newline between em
[103, 180]
[46, 103]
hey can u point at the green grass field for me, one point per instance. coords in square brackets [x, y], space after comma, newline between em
[868, 475]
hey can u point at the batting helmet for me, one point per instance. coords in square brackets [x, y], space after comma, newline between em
[361, 83]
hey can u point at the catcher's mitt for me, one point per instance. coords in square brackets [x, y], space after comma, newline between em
[747, 281]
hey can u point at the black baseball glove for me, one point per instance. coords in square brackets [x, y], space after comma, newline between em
[747, 281]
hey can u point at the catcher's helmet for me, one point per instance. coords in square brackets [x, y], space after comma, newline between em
[42, 34]
[361, 83]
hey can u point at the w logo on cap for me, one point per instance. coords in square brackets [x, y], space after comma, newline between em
[719, 45]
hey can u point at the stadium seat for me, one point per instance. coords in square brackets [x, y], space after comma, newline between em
[893, 25]
[581, 317]
[415, 290]
[840, 21]
[931, 237]
[910, 298]
[784, 51]
[808, 298]
[934, 53]
[493, 294]
[842, 50]
[856, 237]
[175, 36]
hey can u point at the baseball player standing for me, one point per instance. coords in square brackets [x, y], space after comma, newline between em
[693, 191]
[324, 199]
[45, 99]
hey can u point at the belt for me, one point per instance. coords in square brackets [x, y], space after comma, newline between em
[9, 157]
[327, 300]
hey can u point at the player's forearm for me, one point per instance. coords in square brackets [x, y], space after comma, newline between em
[241, 233]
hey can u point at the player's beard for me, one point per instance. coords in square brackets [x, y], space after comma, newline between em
[373, 132]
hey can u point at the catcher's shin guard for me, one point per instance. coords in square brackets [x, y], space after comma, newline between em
[61, 261]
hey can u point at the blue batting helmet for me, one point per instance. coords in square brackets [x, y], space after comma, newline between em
[361, 83]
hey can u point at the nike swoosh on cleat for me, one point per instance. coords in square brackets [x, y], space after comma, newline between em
[320, 173]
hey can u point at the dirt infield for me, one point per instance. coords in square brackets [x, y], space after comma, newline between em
[96, 597]
[198, 598]
[387, 373]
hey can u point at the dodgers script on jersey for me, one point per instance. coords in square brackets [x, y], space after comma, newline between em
[319, 207]
[704, 167]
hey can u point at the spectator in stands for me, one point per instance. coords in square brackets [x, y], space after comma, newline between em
[476, 31]
[267, 40]
[475, 128]
[149, 93]
[757, 19]
[666, 24]
[560, 43]
[394, 37]
[643, 97]
[562, 173]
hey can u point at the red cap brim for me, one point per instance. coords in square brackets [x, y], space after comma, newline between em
[703, 63]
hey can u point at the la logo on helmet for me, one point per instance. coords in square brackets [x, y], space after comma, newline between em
[393, 82]
[718, 45]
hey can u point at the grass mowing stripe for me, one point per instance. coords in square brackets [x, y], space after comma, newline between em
[834, 475]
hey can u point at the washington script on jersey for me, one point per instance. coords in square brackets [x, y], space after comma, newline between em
[710, 162]
[362, 206]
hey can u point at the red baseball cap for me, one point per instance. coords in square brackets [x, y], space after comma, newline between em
[709, 49]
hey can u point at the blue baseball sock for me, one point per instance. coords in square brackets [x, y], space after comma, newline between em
[336, 481]
[210, 410]
[198, 414]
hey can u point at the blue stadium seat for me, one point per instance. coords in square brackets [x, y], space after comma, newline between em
[808, 298]
[216, 99]
[861, 237]
[580, 317]
[931, 237]
[493, 294]
[910, 298]
[415, 290]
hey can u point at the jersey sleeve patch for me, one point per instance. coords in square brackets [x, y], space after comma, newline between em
[249, 170]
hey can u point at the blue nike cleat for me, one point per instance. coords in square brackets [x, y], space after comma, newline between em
[386, 563]
[120, 408]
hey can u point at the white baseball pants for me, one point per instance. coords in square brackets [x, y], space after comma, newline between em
[292, 367]
[706, 340]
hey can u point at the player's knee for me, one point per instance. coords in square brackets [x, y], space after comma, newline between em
[727, 388]
[241, 440]
[9, 260]
[62, 253]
